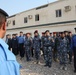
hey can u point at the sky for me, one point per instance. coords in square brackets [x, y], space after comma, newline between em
[15, 6]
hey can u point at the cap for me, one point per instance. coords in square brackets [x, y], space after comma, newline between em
[3, 12]
[43, 32]
[70, 32]
[54, 32]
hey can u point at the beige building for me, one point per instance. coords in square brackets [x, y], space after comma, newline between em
[56, 16]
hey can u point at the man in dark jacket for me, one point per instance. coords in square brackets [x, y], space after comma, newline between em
[21, 45]
[14, 44]
[9, 41]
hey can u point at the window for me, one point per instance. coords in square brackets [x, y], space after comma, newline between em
[37, 17]
[58, 13]
[25, 20]
[13, 22]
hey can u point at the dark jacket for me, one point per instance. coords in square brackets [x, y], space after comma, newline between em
[14, 43]
[9, 42]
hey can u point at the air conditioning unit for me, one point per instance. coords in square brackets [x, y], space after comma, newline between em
[30, 16]
[9, 22]
[67, 8]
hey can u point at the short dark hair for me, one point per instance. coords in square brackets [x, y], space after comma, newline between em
[21, 32]
[2, 18]
[47, 31]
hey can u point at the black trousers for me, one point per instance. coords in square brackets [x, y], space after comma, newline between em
[21, 49]
[74, 51]
[15, 51]
[32, 53]
[70, 56]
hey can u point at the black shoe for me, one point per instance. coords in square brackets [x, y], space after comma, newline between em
[49, 66]
[74, 71]
[45, 65]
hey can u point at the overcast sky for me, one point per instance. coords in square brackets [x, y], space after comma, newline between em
[16, 6]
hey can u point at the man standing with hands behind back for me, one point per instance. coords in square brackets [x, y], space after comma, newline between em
[8, 63]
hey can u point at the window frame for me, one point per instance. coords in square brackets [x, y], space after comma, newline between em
[37, 17]
[13, 22]
[58, 13]
[25, 20]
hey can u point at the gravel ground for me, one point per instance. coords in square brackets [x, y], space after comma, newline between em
[31, 68]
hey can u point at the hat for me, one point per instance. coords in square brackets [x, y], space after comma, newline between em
[3, 12]
[69, 32]
[43, 32]
[54, 32]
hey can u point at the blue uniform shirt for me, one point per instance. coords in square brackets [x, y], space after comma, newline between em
[8, 63]
[21, 39]
[73, 44]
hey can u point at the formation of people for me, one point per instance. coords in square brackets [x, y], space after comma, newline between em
[59, 47]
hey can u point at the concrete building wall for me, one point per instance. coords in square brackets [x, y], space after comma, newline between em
[47, 16]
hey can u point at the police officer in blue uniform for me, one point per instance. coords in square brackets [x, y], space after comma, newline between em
[8, 63]
[73, 45]
[28, 45]
[21, 45]
[63, 43]
[37, 46]
[69, 37]
[48, 43]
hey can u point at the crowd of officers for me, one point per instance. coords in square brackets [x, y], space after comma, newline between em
[56, 46]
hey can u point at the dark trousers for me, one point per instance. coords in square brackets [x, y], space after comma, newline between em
[48, 55]
[70, 56]
[74, 51]
[28, 53]
[55, 54]
[32, 53]
[15, 51]
[37, 54]
[21, 49]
